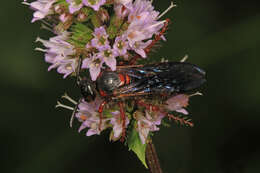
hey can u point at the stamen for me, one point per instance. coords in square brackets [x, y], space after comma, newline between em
[26, 3]
[65, 96]
[164, 60]
[167, 10]
[158, 23]
[196, 94]
[38, 39]
[46, 23]
[40, 49]
[184, 58]
[43, 26]
[59, 105]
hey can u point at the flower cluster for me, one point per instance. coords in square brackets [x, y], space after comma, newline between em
[89, 116]
[145, 123]
[91, 35]
[101, 32]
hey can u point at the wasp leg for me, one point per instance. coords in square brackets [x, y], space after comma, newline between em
[123, 118]
[100, 110]
[154, 108]
[182, 121]
[150, 107]
[74, 113]
[149, 47]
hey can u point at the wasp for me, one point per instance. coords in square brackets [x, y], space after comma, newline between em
[142, 81]
[167, 79]
[137, 82]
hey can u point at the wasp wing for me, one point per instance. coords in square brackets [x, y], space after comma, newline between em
[168, 78]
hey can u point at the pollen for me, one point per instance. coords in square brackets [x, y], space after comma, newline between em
[83, 117]
[131, 35]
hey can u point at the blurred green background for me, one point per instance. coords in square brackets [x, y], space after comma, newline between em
[223, 37]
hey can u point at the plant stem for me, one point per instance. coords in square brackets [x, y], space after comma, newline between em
[152, 159]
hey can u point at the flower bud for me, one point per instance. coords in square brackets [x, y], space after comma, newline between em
[121, 11]
[64, 17]
[58, 9]
[103, 15]
[82, 17]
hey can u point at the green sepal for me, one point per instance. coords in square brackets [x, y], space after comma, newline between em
[135, 144]
[95, 20]
[128, 115]
[129, 106]
[62, 2]
[88, 12]
[165, 123]
[114, 26]
[81, 35]
[123, 28]
[107, 113]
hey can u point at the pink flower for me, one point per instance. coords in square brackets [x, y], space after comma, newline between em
[139, 47]
[148, 123]
[121, 46]
[95, 4]
[123, 2]
[143, 22]
[100, 40]
[109, 57]
[75, 5]
[59, 53]
[121, 10]
[177, 103]
[117, 124]
[64, 17]
[42, 8]
[89, 116]
[94, 65]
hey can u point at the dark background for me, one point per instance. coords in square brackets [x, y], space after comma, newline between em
[222, 37]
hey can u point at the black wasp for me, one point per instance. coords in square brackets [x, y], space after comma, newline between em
[142, 81]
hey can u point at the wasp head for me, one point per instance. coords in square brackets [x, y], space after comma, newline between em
[87, 88]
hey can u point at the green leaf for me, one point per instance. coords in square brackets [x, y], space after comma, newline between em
[114, 26]
[62, 2]
[96, 22]
[135, 144]
[81, 35]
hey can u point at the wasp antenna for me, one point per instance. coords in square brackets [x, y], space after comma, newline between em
[196, 94]
[59, 105]
[184, 58]
[67, 97]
